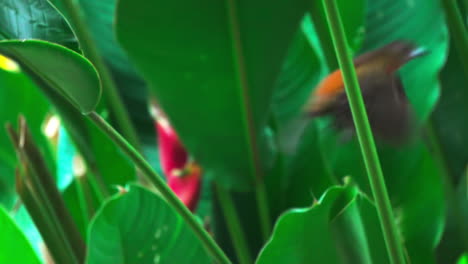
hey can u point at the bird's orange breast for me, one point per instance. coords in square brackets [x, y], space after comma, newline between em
[331, 85]
[329, 89]
[325, 93]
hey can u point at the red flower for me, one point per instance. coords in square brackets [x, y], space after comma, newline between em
[183, 175]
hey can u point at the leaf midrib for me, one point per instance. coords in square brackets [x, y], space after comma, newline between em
[243, 86]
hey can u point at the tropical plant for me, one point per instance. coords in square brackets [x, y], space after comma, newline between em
[181, 132]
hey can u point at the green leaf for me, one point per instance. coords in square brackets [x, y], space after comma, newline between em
[449, 119]
[105, 152]
[301, 71]
[352, 15]
[300, 174]
[308, 173]
[14, 245]
[34, 19]
[414, 183]
[419, 21]
[342, 227]
[99, 18]
[27, 226]
[218, 89]
[66, 76]
[139, 227]
[62, 78]
[463, 259]
[26, 19]
[455, 239]
[69, 74]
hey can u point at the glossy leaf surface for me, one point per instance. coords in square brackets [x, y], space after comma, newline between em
[139, 227]
[69, 74]
[342, 227]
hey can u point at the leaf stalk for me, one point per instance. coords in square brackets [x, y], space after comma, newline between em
[162, 187]
[111, 93]
[364, 134]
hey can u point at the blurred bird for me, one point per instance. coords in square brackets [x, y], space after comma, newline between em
[388, 109]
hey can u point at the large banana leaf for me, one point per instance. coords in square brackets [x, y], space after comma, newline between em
[212, 65]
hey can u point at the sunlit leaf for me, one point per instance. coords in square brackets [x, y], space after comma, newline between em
[14, 245]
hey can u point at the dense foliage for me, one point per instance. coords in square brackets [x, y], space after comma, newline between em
[208, 96]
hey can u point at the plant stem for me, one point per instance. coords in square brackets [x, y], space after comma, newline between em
[233, 224]
[161, 186]
[317, 13]
[250, 133]
[263, 209]
[89, 48]
[82, 202]
[457, 30]
[96, 188]
[364, 133]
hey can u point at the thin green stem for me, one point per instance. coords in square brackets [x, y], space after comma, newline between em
[82, 200]
[457, 30]
[263, 209]
[234, 226]
[317, 13]
[161, 186]
[90, 50]
[250, 134]
[96, 189]
[364, 133]
[91, 198]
